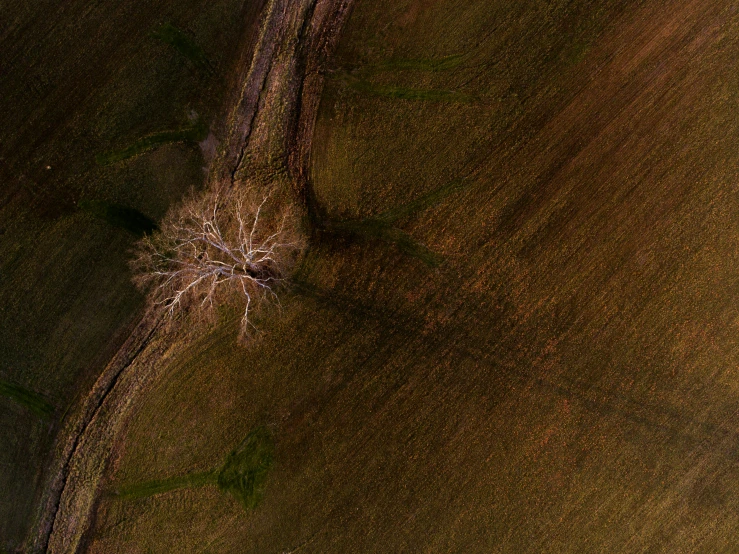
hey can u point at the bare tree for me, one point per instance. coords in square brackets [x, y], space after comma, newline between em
[221, 247]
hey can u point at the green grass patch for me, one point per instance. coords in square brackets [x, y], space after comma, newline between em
[245, 472]
[31, 400]
[158, 486]
[184, 44]
[193, 133]
[118, 215]
[243, 475]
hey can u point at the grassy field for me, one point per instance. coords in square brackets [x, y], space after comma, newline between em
[81, 80]
[562, 380]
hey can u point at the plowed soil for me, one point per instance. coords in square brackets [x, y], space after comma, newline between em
[565, 381]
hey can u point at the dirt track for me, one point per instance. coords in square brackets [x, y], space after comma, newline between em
[263, 128]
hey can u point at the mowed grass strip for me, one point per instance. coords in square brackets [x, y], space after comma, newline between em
[429, 65]
[193, 133]
[159, 486]
[358, 79]
[243, 475]
[379, 230]
[27, 398]
[423, 202]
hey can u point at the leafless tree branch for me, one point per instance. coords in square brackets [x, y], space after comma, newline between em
[219, 248]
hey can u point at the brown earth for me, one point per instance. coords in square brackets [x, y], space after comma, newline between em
[564, 382]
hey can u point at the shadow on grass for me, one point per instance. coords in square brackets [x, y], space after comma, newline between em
[119, 216]
[376, 229]
[391, 320]
[193, 133]
[29, 399]
[185, 45]
[380, 227]
[243, 475]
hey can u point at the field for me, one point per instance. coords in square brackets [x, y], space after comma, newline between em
[77, 82]
[518, 333]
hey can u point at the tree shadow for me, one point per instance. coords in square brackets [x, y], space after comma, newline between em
[382, 227]
[118, 215]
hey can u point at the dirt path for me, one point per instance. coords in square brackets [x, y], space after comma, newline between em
[270, 128]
